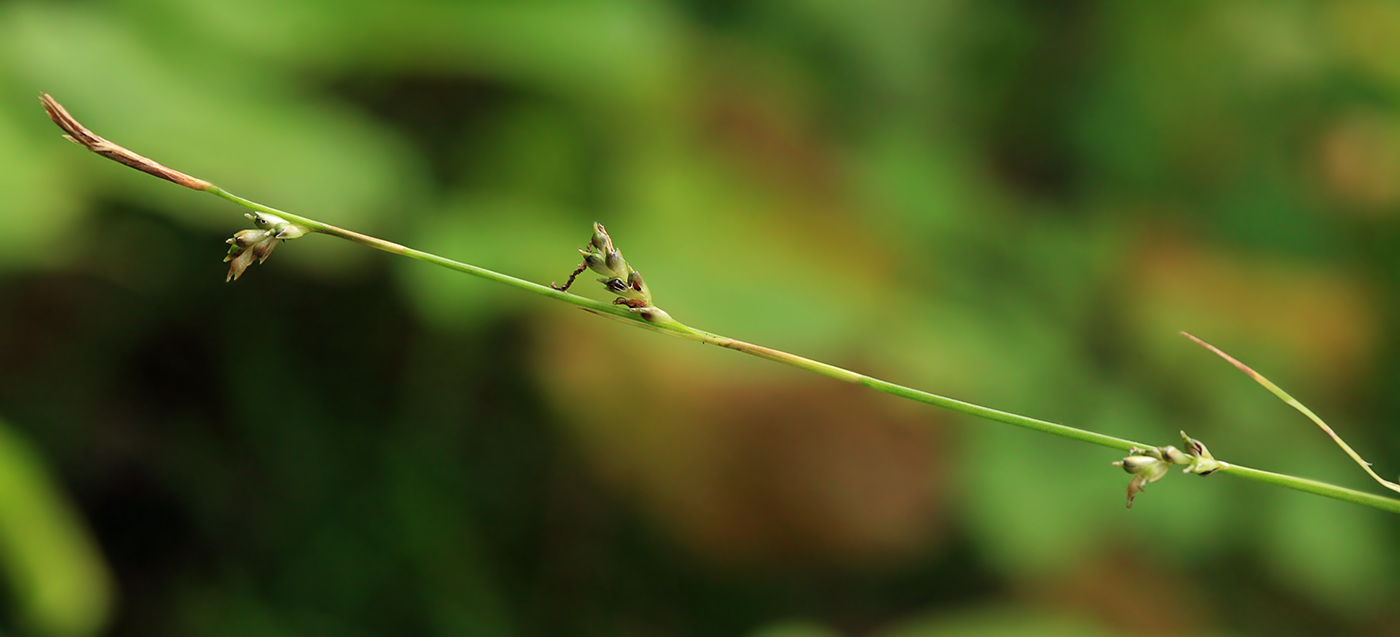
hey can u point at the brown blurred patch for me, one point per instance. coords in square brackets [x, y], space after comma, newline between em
[805, 472]
[762, 130]
[747, 469]
[1385, 624]
[1359, 162]
[787, 179]
[762, 119]
[1325, 318]
[1126, 592]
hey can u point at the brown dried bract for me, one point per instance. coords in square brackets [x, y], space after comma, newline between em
[79, 134]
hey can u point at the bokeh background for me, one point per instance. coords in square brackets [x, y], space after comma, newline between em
[1010, 202]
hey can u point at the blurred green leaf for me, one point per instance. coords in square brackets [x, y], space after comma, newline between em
[54, 569]
[1339, 554]
[247, 129]
[41, 201]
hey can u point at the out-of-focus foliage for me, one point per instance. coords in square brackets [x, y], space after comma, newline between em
[1011, 202]
[57, 578]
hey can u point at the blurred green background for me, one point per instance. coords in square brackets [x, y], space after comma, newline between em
[1010, 202]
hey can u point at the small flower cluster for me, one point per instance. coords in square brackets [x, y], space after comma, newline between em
[1150, 465]
[256, 244]
[601, 256]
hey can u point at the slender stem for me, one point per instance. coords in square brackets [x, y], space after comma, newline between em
[684, 331]
[680, 330]
[1312, 486]
[936, 400]
[658, 321]
[394, 248]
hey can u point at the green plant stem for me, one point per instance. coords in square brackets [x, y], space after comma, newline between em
[658, 321]
[680, 330]
[1313, 486]
[687, 332]
[394, 248]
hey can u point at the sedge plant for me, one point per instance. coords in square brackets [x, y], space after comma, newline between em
[633, 306]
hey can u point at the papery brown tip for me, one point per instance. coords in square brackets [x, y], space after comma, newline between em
[79, 134]
[76, 132]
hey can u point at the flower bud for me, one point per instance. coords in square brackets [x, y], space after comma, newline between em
[1176, 456]
[264, 220]
[601, 240]
[1202, 463]
[292, 231]
[1140, 464]
[616, 266]
[245, 238]
[602, 257]
[596, 263]
[616, 286]
[251, 245]
[1145, 470]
